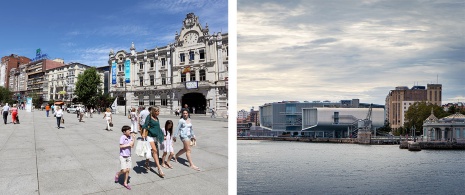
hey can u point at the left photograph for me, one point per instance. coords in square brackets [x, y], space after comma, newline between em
[124, 98]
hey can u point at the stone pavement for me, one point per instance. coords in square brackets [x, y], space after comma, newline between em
[82, 158]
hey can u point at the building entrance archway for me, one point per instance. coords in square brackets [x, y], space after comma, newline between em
[195, 100]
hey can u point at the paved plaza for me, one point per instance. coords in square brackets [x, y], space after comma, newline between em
[82, 158]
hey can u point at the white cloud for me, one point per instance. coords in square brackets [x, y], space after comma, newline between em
[320, 50]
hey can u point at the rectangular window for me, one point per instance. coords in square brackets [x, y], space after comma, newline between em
[152, 80]
[191, 55]
[141, 81]
[182, 57]
[141, 65]
[152, 101]
[151, 63]
[192, 76]
[183, 77]
[163, 62]
[202, 75]
[336, 117]
[163, 79]
[202, 54]
[141, 101]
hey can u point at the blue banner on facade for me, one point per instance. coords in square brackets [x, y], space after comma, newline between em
[127, 71]
[113, 73]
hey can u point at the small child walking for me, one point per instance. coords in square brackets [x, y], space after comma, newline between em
[126, 142]
[167, 145]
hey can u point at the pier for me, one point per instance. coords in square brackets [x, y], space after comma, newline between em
[390, 140]
[373, 141]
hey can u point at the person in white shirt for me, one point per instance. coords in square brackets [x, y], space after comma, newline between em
[6, 110]
[142, 116]
[107, 116]
[59, 115]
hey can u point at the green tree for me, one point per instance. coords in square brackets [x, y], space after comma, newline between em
[88, 87]
[6, 96]
[384, 129]
[37, 100]
[418, 112]
[452, 110]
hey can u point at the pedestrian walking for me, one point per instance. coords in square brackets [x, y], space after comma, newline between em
[126, 142]
[108, 117]
[14, 113]
[133, 116]
[155, 134]
[59, 116]
[213, 113]
[186, 134]
[187, 109]
[91, 111]
[53, 109]
[142, 116]
[167, 145]
[47, 109]
[78, 110]
[6, 110]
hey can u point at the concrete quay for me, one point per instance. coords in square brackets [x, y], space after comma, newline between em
[82, 158]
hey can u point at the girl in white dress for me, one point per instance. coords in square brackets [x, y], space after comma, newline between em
[107, 116]
[134, 125]
[167, 145]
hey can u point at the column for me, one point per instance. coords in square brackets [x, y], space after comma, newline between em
[428, 134]
[443, 134]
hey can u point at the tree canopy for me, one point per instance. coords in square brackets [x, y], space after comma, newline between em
[418, 112]
[6, 95]
[88, 86]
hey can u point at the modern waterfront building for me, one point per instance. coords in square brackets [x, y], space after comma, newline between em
[450, 128]
[192, 70]
[318, 118]
[398, 101]
[338, 122]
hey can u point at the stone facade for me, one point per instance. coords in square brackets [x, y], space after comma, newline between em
[60, 82]
[192, 70]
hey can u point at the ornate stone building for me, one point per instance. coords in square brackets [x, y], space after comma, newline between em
[450, 128]
[192, 70]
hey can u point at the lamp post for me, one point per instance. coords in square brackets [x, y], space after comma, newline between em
[121, 80]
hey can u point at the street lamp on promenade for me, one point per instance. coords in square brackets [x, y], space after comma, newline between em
[121, 80]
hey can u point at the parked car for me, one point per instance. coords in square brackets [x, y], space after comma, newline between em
[72, 108]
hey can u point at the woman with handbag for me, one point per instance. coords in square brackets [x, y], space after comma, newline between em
[186, 134]
[152, 132]
[107, 116]
[58, 114]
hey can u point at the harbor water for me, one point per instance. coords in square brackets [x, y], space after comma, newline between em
[281, 167]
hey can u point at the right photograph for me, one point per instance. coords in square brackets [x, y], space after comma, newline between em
[350, 97]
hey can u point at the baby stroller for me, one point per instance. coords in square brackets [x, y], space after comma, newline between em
[17, 119]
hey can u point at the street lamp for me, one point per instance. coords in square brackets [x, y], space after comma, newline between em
[125, 92]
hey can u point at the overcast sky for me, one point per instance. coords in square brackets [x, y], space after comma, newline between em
[84, 31]
[334, 50]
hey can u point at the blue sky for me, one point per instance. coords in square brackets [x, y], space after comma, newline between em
[345, 49]
[84, 31]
